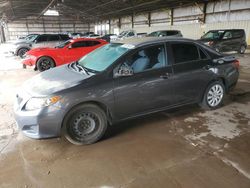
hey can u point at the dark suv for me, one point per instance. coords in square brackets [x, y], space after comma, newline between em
[226, 40]
[43, 40]
[120, 81]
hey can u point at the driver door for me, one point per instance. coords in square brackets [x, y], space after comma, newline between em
[149, 88]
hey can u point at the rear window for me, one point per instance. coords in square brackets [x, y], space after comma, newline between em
[169, 33]
[184, 52]
[237, 34]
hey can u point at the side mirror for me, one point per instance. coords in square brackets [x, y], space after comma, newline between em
[35, 41]
[70, 47]
[123, 71]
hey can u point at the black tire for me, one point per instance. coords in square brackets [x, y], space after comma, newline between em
[217, 96]
[85, 124]
[242, 49]
[45, 63]
[21, 52]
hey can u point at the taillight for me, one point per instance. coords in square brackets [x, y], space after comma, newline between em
[210, 43]
[236, 64]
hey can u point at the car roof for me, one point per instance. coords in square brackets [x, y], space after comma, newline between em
[166, 30]
[83, 39]
[227, 30]
[151, 40]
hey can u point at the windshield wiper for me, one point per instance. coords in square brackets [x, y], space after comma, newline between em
[82, 68]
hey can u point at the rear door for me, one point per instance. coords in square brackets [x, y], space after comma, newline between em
[41, 41]
[191, 71]
[238, 39]
[53, 40]
[149, 88]
[227, 42]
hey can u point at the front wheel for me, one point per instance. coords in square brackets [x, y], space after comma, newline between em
[85, 124]
[213, 96]
[21, 52]
[45, 63]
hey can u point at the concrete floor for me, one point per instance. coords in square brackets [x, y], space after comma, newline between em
[185, 147]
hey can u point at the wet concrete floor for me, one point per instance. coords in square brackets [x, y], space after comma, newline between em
[185, 147]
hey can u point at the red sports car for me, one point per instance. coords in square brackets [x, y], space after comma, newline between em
[69, 51]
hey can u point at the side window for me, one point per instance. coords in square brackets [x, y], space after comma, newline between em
[169, 33]
[42, 38]
[228, 35]
[79, 44]
[203, 55]
[184, 52]
[237, 34]
[64, 37]
[92, 43]
[54, 38]
[148, 58]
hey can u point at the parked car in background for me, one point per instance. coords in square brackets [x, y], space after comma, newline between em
[142, 34]
[67, 52]
[43, 40]
[226, 40]
[75, 35]
[165, 33]
[93, 36]
[108, 37]
[127, 34]
[119, 81]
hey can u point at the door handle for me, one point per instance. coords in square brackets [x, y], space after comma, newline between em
[165, 76]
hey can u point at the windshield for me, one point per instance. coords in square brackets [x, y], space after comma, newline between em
[31, 37]
[213, 35]
[123, 33]
[103, 57]
[63, 44]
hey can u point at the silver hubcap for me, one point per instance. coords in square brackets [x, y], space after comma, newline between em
[215, 95]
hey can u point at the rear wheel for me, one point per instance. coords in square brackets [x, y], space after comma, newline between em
[21, 52]
[213, 96]
[85, 124]
[45, 63]
[242, 49]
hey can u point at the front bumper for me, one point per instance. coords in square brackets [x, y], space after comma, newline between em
[42, 123]
[29, 61]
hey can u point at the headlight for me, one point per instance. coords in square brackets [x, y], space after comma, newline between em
[37, 103]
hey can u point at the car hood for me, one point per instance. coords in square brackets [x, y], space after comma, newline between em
[22, 42]
[54, 80]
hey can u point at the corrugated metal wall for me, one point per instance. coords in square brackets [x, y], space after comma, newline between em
[44, 25]
[224, 14]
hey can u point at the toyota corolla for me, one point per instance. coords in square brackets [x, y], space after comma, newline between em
[120, 81]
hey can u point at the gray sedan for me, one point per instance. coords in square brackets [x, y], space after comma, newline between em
[121, 81]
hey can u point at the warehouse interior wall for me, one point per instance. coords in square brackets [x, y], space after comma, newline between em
[224, 14]
[46, 24]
